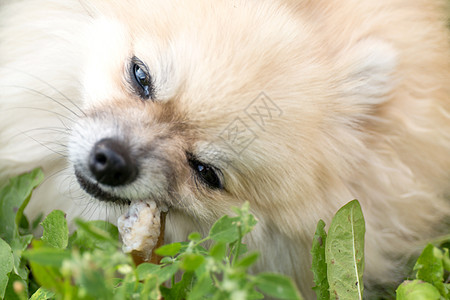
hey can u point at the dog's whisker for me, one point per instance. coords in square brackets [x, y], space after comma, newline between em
[44, 95]
[49, 85]
[69, 128]
[45, 131]
[44, 145]
[94, 211]
[42, 109]
[54, 175]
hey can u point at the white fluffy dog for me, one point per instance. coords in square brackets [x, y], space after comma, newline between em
[296, 106]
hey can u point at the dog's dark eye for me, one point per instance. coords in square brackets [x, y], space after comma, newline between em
[206, 173]
[142, 78]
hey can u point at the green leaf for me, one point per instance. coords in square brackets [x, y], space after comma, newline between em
[278, 286]
[446, 259]
[166, 260]
[17, 288]
[42, 294]
[28, 182]
[319, 264]
[6, 266]
[195, 236]
[126, 286]
[430, 267]
[191, 261]
[56, 232]
[14, 196]
[180, 289]
[94, 282]
[225, 230]
[35, 223]
[147, 270]
[248, 260]
[47, 277]
[167, 272]
[417, 290]
[18, 245]
[345, 252]
[169, 250]
[150, 288]
[47, 256]
[218, 251]
[242, 249]
[203, 287]
[253, 294]
[96, 235]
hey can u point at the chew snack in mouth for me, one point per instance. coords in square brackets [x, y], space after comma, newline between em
[142, 230]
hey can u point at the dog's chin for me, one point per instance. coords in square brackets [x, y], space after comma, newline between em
[97, 192]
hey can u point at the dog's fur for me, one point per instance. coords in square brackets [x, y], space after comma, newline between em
[359, 98]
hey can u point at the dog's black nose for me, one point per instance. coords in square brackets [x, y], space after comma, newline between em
[111, 164]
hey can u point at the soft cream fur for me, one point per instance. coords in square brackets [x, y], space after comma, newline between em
[361, 95]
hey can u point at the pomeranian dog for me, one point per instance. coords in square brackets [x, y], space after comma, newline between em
[295, 106]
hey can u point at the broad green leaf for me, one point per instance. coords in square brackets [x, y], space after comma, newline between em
[345, 252]
[430, 267]
[48, 277]
[167, 260]
[191, 261]
[319, 264]
[150, 288]
[146, 270]
[24, 225]
[195, 236]
[225, 230]
[95, 235]
[17, 288]
[167, 272]
[94, 282]
[35, 223]
[14, 196]
[203, 287]
[125, 287]
[218, 251]
[417, 290]
[242, 248]
[446, 259]
[169, 249]
[47, 256]
[6, 266]
[56, 232]
[180, 289]
[253, 294]
[248, 260]
[278, 286]
[18, 245]
[36, 177]
[42, 294]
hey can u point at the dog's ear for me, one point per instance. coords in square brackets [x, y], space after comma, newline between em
[370, 67]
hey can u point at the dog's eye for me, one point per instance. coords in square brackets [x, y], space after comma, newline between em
[208, 174]
[142, 78]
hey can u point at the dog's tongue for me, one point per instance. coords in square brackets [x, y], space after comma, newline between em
[142, 230]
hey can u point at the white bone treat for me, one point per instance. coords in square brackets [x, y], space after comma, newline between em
[140, 228]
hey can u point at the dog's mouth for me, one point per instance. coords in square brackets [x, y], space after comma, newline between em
[97, 192]
[141, 227]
